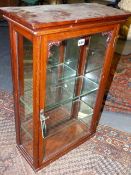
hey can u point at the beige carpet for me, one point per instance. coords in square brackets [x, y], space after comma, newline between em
[107, 153]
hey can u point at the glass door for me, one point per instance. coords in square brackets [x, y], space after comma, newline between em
[73, 74]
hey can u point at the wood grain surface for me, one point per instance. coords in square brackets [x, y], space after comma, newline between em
[50, 15]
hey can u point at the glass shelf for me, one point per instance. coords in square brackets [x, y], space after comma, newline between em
[88, 85]
[94, 75]
[59, 72]
[55, 95]
[54, 74]
[85, 111]
[63, 92]
[72, 63]
[90, 98]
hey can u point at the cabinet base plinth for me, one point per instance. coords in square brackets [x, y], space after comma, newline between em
[55, 156]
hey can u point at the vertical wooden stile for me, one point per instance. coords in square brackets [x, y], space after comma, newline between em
[36, 98]
[15, 78]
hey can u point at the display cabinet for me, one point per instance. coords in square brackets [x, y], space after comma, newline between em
[61, 57]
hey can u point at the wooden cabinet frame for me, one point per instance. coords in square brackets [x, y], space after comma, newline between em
[39, 39]
[39, 60]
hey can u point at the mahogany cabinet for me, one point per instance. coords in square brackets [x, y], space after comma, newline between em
[61, 57]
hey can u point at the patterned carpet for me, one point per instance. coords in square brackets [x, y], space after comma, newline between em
[107, 153]
[119, 94]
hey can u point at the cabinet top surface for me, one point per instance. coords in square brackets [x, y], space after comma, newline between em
[42, 16]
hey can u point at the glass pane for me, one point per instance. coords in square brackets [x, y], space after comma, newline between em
[59, 72]
[53, 53]
[65, 125]
[94, 75]
[90, 99]
[95, 60]
[25, 91]
[59, 93]
[72, 53]
[95, 57]
[71, 90]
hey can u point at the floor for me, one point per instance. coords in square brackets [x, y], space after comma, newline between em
[116, 120]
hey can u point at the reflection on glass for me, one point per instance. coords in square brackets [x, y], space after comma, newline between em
[72, 53]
